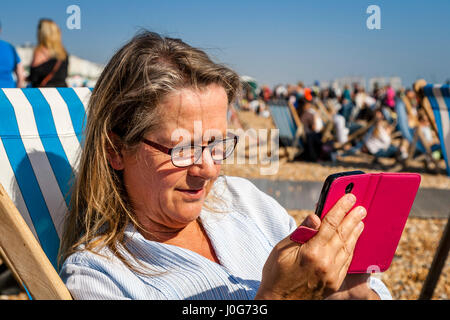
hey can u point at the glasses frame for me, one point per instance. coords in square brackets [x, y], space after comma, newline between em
[210, 146]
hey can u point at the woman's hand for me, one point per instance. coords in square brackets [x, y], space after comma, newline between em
[316, 269]
[355, 287]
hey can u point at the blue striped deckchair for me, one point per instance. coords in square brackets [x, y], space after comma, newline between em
[417, 148]
[41, 133]
[439, 98]
[288, 123]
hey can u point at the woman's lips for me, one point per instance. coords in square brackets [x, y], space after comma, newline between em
[192, 193]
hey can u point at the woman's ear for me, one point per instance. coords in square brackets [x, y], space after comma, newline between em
[115, 157]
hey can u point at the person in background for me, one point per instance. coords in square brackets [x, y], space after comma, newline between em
[315, 89]
[9, 63]
[389, 99]
[50, 59]
[413, 110]
[280, 92]
[299, 96]
[429, 138]
[313, 142]
[266, 93]
[379, 143]
[376, 91]
[346, 93]
[347, 105]
[292, 94]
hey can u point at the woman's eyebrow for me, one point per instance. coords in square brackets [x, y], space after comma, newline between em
[193, 141]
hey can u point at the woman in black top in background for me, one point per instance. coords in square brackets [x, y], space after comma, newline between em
[50, 59]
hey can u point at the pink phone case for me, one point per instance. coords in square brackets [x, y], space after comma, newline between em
[388, 198]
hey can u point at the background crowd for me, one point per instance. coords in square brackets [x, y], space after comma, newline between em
[339, 122]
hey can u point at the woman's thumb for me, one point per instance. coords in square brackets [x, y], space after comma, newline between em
[312, 221]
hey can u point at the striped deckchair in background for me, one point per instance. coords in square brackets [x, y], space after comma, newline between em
[417, 147]
[40, 143]
[439, 99]
[287, 121]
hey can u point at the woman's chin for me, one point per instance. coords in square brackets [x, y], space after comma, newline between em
[189, 213]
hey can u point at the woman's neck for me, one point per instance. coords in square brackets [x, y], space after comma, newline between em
[192, 237]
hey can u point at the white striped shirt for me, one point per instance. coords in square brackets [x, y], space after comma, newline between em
[242, 239]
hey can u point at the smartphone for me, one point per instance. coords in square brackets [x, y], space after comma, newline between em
[327, 185]
[388, 199]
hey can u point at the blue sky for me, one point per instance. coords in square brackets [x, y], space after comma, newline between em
[273, 41]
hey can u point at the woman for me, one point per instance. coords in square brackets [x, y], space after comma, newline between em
[152, 219]
[50, 60]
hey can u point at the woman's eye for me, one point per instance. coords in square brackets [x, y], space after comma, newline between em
[218, 150]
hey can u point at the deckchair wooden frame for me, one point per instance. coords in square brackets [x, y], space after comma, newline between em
[437, 264]
[425, 103]
[300, 133]
[25, 257]
[297, 120]
[329, 125]
[9, 265]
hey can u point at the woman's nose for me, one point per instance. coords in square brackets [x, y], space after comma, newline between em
[205, 166]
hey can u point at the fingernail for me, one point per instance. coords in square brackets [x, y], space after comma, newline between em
[351, 199]
[361, 225]
[362, 212]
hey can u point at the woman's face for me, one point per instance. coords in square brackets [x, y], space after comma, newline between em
[166, 197]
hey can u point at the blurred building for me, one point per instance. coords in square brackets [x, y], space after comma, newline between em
[394, 82]
[81, 73]
[341, 82]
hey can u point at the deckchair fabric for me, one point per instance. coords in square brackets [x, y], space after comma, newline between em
[284, 121]
[41, 134]
[439, 97]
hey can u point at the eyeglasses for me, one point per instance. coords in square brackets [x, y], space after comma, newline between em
[184, 156]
